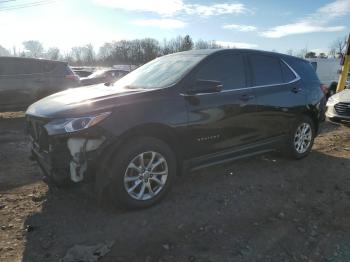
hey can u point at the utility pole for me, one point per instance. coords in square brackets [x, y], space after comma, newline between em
[345, 62]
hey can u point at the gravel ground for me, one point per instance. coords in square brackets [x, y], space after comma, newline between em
[266, 208]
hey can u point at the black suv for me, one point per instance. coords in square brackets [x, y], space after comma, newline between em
[26, 80]
[178, 112]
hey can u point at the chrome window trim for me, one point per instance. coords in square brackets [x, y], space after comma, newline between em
[297, 78]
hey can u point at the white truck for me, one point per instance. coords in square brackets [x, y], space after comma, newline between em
[327, 70]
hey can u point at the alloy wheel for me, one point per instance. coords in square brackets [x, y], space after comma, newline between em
[302, 138]
[146, 175]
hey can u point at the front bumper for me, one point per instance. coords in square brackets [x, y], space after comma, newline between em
[65, 157]
[74, 161]
[332, 113]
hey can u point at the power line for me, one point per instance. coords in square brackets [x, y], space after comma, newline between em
[25, 5]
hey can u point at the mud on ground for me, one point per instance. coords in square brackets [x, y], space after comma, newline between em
[267, 208]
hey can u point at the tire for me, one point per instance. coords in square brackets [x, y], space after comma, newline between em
[128, 173]
[58, 179]
[299, 145]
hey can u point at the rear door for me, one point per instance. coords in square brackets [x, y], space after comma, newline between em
[279, 93]
[218, 121]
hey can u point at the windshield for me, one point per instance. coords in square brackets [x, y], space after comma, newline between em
[159, 73]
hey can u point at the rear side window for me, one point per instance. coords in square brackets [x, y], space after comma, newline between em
[47, 67]
[304, 69]
[63, 69]
[25, 67]
[266, 70]
[228, 69]
[288, 75]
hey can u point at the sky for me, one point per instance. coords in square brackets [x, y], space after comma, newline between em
[278, 25]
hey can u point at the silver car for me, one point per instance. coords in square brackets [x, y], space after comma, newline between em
[338, 106]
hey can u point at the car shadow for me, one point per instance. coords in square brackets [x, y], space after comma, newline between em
[267, 208]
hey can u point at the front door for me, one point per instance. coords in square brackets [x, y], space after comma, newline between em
[219, 121]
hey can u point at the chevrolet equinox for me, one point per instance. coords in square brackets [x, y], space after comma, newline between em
[179, 112]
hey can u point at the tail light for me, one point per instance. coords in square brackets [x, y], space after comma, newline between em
[324, 89]
[72, 77]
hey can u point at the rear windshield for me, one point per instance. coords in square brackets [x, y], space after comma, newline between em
[160, 73]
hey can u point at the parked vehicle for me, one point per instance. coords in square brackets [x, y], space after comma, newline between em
[179, 112]
[347, 83]
[26, 80]
[338, 106]
[327, 70]
[106, 76]
[82, 72]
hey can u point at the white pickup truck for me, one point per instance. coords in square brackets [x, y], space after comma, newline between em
[327, 70]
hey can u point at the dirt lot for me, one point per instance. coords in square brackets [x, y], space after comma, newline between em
[263, 209]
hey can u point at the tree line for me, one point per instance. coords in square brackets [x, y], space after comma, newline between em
[140, 51]
[133, 52]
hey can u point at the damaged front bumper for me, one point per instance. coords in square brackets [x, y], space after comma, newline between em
[66, 157]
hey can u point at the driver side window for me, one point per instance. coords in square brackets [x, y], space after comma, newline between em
[228, 69]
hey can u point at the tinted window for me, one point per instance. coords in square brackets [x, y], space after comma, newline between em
[228, 69]
[266, 70]
[304, 69]
[24, 67]
[288, 75]
[47, 67]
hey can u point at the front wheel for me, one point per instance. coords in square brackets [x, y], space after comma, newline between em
[301, 138]
[143, 172]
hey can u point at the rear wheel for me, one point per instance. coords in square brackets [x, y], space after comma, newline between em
[142, 173]
[301, 138]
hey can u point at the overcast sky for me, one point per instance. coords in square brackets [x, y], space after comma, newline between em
[268, 24]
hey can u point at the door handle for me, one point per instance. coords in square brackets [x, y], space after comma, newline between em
[246, 97]
[296, 89]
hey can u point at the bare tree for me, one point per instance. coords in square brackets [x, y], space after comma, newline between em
[289, 52]
[332, 52]
[302, 53]
[150, 48]
[89, 54]
[53, 53]
[4, 51]
[14, 51]
[201, 44]
[77, 54]
[34, 48]
[337, 48]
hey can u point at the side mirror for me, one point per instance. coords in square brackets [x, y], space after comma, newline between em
[205, 86]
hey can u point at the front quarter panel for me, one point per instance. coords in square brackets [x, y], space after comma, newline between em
[164, 107]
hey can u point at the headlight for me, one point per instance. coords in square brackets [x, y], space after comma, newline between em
[331, 101]
[69, 125]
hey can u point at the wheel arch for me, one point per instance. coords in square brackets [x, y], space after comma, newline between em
[159, 131]
[314, 115]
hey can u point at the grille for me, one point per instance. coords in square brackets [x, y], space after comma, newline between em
[38, 133]
[342, 109]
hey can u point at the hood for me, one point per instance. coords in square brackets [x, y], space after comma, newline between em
[79, 101]
[343, 96]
